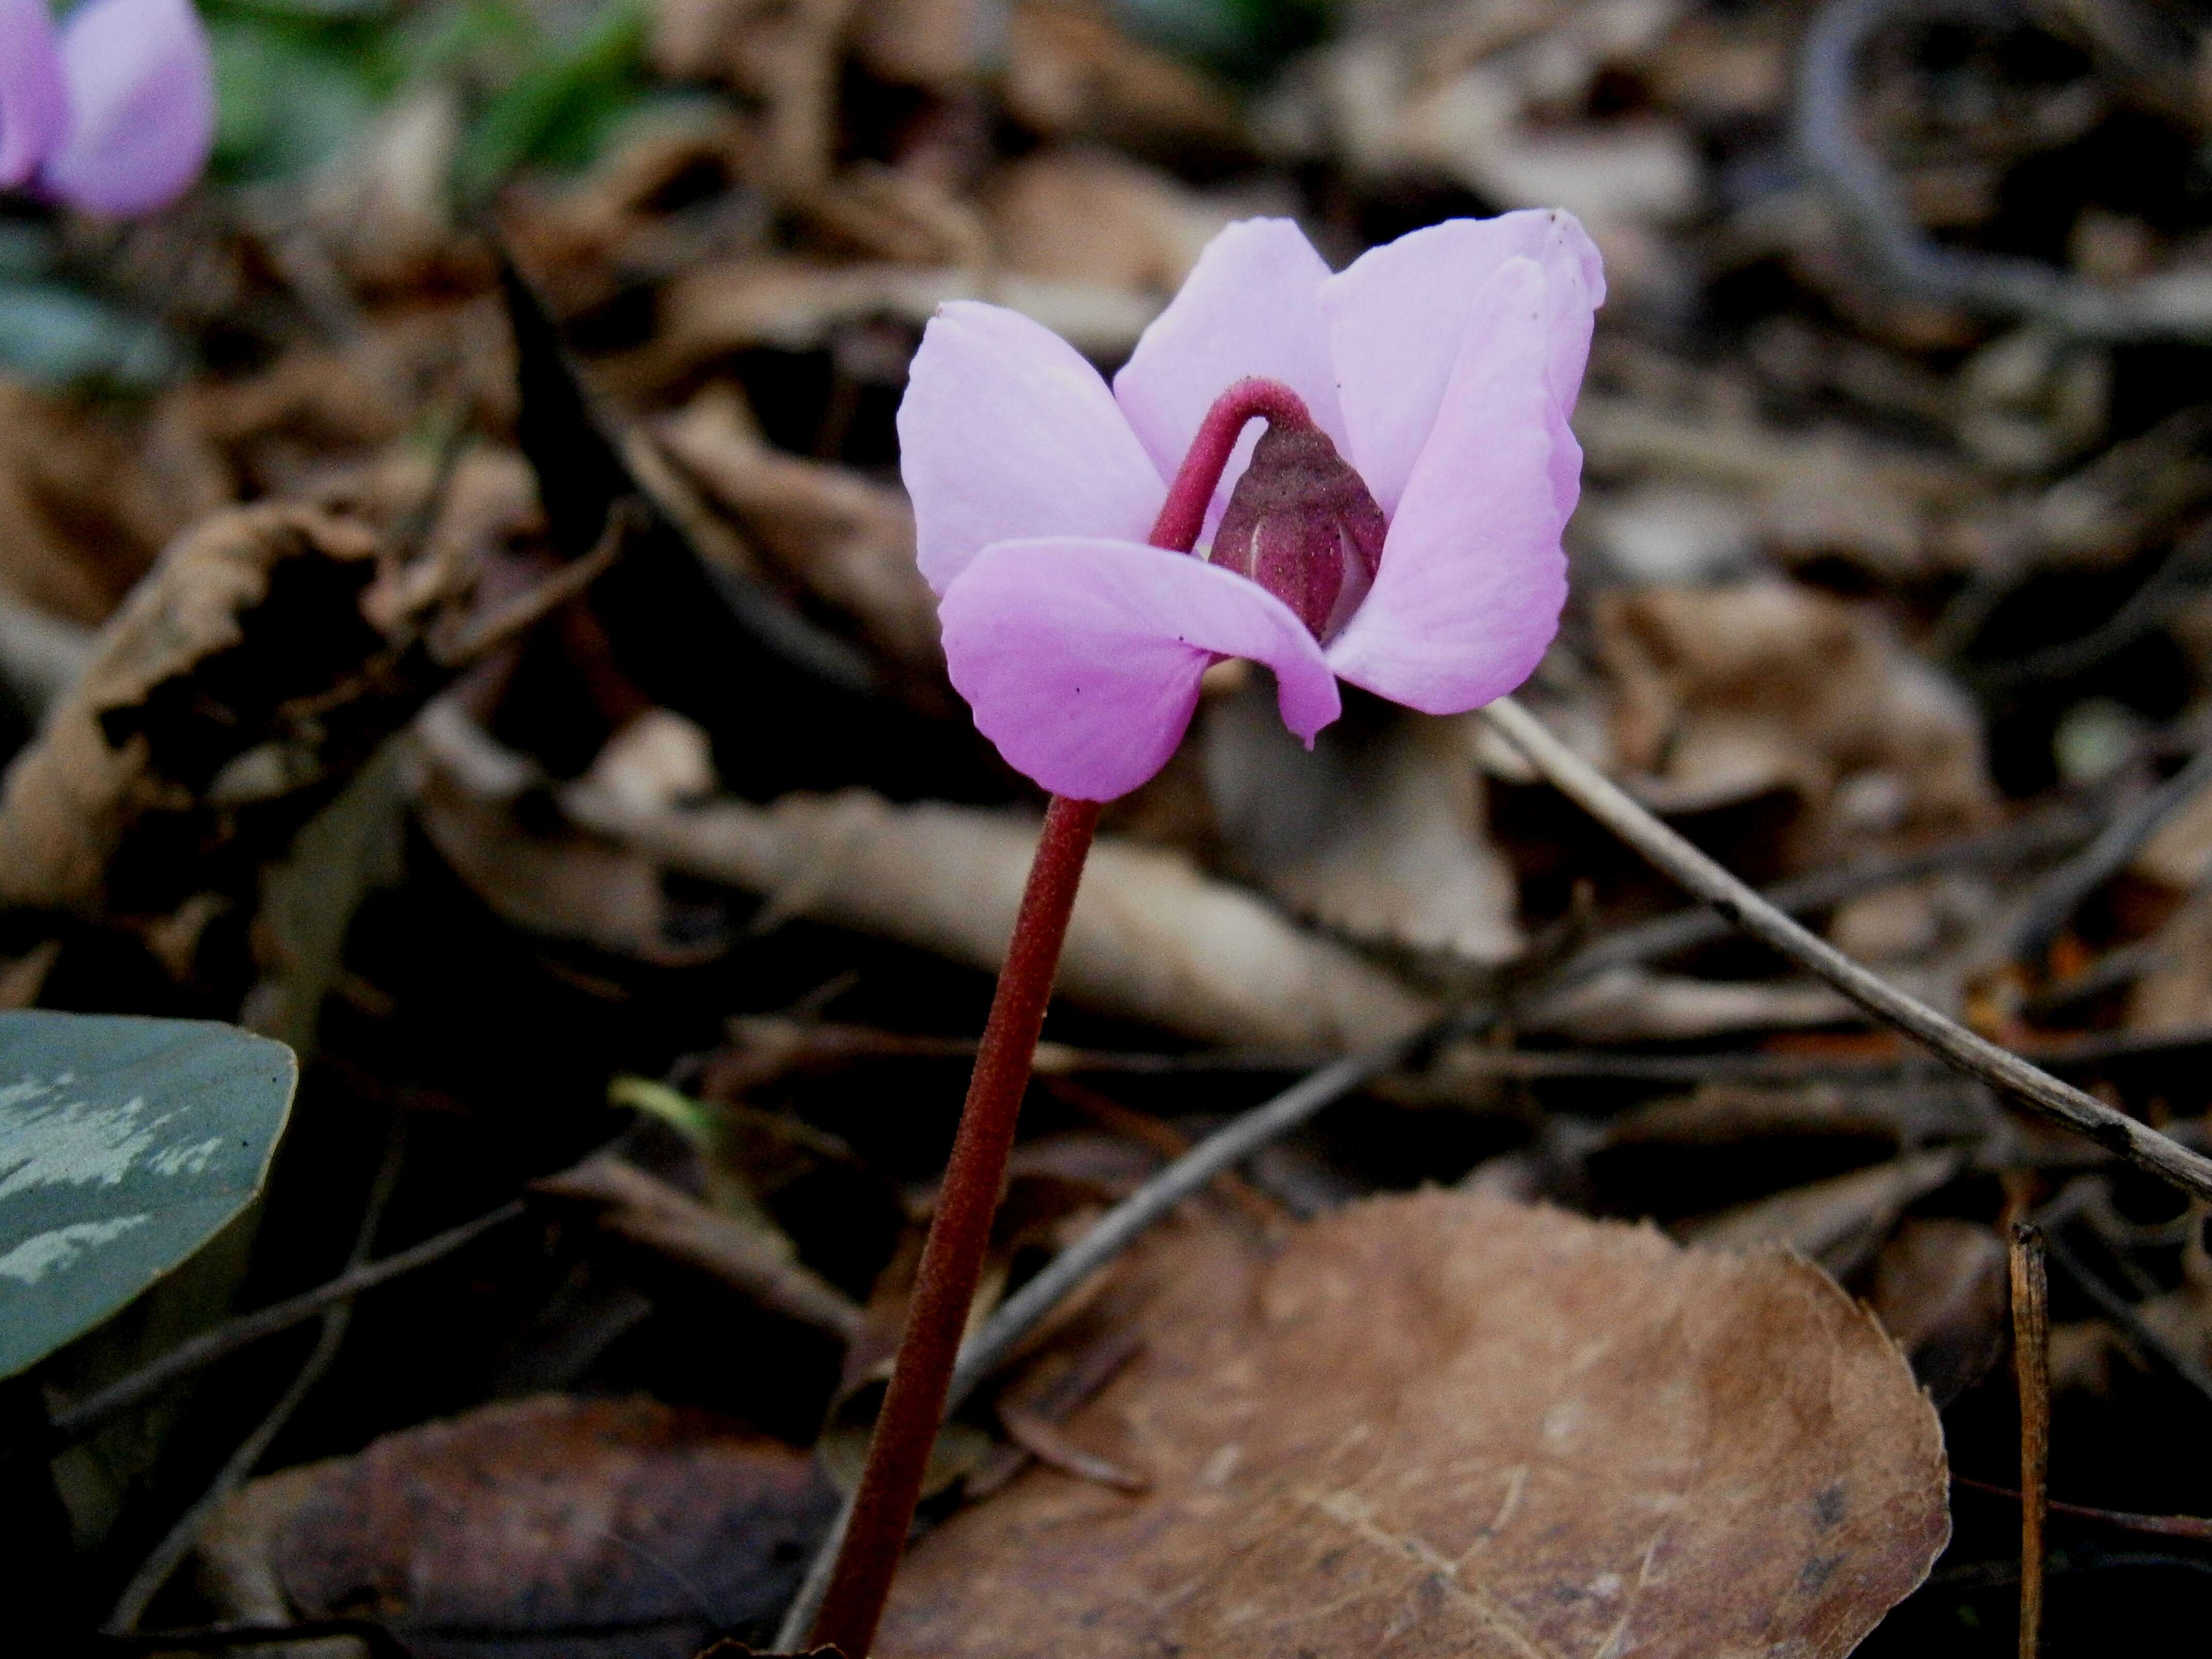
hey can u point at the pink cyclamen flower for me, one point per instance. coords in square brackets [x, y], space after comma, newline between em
[114, 111]
[1428, 570]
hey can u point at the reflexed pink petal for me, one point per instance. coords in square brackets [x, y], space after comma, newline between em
[1007, 432]
[1473, 579]
[34, 102]
[1250, 307]
[142, 106]
[1398, 313]
[1081, 656]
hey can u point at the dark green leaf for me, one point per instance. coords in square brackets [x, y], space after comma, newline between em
[125, 1144]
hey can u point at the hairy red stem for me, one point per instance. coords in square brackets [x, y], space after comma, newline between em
[960, 1231]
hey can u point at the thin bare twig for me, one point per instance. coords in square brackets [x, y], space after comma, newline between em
[1825, 132]
[2197, 1527]
[77, 1421]
[1951, 1043]
[2031, 1362]
[178, 1542]
[1118, 1229]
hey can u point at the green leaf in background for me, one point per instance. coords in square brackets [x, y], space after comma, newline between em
[58, 335]
[286, 103]
[561, 106]
[1247, 39]
[125, 1144]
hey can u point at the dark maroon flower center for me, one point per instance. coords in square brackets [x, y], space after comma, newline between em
[1300, 522]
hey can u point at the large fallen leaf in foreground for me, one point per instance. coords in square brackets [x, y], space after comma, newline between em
[1444, 1423]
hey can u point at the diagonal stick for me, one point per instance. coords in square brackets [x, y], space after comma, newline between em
[1948, 1040]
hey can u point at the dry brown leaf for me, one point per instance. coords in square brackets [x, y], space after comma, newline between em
[1723, 1113]
[1072, 73]
[1089, 215]
[783, 53]
[1841, 1220]
[754, 1262]
[1444, 1423]
[526, 1519]
[199, 672]
[384, 210]
[1634, 1005]
[875, 212]
[1941, 1288]
[1821, 495]
[593, 238]
[922, 43]
[85, 504]
[1152, 939]
[847, 540]
[271, 430]
[1721, 694]
[2174, 992]
[554, 882]
[795, 305]
[1380, 835]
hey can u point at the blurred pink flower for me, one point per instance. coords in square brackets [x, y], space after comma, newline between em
[114, 111]
[1442, 367]
[34, 101]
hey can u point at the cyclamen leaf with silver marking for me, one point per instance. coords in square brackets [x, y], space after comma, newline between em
[125, 1145]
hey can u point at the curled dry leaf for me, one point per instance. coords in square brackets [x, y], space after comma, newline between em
[1465, 94]
[921, 43]
[525, 1522]
[1444, 1424]
[879, 212]
[199, 672]
[1152, 939]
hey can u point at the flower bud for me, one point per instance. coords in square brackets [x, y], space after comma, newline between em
[1302, 523]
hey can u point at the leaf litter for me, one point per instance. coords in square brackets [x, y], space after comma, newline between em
[500, 689]
[1444, 1423]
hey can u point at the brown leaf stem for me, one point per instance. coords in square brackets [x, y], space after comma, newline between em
[952, 1259]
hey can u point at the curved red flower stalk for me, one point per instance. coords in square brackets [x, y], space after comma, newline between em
[960, 1231]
